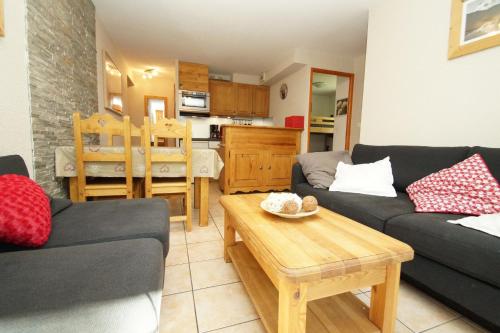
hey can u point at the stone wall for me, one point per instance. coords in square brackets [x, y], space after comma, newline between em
[62, 75]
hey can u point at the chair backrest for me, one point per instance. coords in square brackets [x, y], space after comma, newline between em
[109, 139]
[101, 124]
[167, 129]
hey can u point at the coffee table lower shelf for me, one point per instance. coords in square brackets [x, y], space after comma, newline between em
[339, 313]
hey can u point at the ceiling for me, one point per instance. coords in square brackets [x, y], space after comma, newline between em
[328, 84]
[233, 36]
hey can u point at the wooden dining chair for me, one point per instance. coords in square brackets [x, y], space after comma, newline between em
[99, 124]
[169, 129]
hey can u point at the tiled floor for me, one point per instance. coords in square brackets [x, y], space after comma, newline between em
[204, 294]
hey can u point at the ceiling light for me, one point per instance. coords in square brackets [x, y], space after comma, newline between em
[150, 73]
[319, 84]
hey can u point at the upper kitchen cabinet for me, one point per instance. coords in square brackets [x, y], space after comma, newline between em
[193, 77]
[260, 103]
[244, 99]
[238, 99]
[222, 98]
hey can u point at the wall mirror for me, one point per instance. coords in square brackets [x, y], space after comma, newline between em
[112, 85]
[330, 104]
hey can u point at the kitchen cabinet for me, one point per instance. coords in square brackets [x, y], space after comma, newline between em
[246, 167]
[222, 98]
[258, 158]
[279, 166]
[260, 105]
[256, 168]
[193, 77]
[244, 99]
[238, 99]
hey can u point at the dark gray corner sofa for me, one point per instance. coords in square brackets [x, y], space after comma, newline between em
[457, 265]
[101, 270]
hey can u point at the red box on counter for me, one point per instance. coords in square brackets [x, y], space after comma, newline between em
[294, 121]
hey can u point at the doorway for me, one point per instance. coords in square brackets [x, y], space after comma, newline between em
[155, 107]
[330, 110]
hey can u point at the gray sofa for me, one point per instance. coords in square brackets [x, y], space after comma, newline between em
[101, 270]
[457, 265]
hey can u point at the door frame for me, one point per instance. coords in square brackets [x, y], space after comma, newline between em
[148, 97]
[350, 95]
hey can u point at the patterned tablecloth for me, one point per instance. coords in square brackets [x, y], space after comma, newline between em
[206, 163]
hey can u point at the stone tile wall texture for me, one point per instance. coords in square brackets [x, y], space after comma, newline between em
[63, 78]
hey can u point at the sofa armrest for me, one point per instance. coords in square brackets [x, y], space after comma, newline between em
[13, 164]
[297, 176]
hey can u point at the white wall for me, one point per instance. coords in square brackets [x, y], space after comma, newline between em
[162, 86]
[15, 118]
[246, 78]
[323, 105]
[359, 78]
[341, 120]
[297, 102]
[413, 94]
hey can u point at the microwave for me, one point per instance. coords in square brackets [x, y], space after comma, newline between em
[194, 103]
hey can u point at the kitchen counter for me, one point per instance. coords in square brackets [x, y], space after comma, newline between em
[205, 139]
[257, 158]
[263, 127]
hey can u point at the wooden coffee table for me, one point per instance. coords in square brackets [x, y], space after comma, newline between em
[299, 273]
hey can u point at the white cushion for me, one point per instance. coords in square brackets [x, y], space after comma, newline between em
[488, 223]
[370, 178]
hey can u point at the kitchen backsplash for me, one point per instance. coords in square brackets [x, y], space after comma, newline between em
[201, 128]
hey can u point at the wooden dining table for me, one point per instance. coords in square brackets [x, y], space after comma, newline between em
[206, 164]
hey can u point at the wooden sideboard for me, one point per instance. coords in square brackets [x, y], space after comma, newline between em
[257, 158]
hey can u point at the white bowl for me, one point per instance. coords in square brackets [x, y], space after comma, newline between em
[290, 216]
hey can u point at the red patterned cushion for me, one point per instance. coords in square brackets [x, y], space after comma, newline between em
[24, 212]
[465, 188]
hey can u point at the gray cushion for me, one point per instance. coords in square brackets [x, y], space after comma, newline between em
[370, 210]
[319, 168]
[466, 250]
[108, 220]
[109, 287]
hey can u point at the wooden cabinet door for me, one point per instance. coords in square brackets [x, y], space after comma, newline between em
[222, 98]
[193, 76]
[261, 101]
[244, 99]
[246, 167]
[278, 167]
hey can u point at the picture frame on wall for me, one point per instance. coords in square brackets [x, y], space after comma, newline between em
[2, 29]
[474, 26]
[341, 107]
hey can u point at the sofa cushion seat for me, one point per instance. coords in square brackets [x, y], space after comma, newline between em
[109, 220]
[469, 251]
[370, 210]
[105, 287]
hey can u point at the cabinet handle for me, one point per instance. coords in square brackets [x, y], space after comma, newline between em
[260, 168]
[269, 168]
